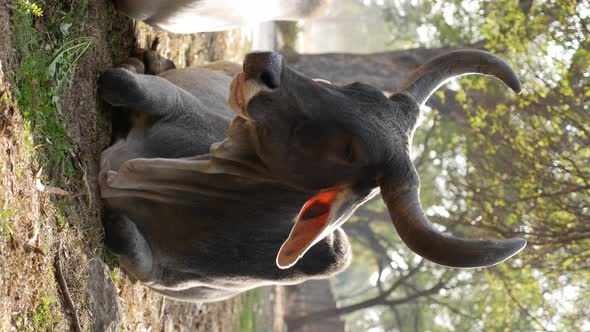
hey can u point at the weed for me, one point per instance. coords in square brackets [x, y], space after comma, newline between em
[47, 61]
[43, 318]
[28, 7]
[5, 99]
[5, 215]
[61, 222]
[116, 276]
[111, 261]
[64, 61]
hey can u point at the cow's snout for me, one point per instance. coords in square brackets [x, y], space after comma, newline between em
[264, 68]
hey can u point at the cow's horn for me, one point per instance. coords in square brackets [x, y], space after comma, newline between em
[436, 72]
[421, 237]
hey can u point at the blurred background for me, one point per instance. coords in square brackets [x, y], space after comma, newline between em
[492, 163]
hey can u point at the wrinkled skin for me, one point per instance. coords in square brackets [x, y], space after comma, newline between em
[308, 129]
[203, 190]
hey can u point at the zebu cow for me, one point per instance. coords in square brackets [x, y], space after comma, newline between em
[186, 16]
[207, 198]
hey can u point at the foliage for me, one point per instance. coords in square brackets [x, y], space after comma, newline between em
[504, 165]
[288, 33]
[47, 59]
[27, 7]
[43, 319]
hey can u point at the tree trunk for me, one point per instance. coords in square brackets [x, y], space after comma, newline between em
[297, 322]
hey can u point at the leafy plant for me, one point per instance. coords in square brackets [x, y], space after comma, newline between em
[28, 7]
[47, 60]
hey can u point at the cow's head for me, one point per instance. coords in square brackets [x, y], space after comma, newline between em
[343, 142]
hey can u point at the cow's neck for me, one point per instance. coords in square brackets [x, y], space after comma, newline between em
[231, 170]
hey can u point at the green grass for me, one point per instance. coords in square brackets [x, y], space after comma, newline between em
[43, 318]
[248, 312]
[5, 215]
[48, 54]
[61, 207]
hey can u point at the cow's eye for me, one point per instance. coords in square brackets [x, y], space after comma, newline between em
[349, 153]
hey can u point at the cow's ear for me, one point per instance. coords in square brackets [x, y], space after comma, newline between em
[320, 216]
[312, 220]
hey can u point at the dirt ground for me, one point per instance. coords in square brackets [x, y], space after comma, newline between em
[44, 235]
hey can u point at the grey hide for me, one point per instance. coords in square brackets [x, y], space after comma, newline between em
[232, 178]
[200, 228]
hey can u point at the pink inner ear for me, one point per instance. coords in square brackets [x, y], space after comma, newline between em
[312, 220]
[319, 205]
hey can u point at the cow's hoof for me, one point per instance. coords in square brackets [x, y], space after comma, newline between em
[154, 62]
[134, 65]
[119, 87]
[148, 61]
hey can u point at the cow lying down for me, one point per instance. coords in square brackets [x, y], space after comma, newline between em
[207, 198]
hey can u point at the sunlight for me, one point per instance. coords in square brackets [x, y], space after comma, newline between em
[397, 260]
[448, 12]
[583, 9]
[444, 320]
[374, 278]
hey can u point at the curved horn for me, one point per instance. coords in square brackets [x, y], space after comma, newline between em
[436, 72]
[421, 237]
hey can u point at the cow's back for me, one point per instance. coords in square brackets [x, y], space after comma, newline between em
[209, 84]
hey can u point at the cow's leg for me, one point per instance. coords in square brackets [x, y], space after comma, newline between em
[134, 65]
[154, 62]
[124, 239]
[152, 95]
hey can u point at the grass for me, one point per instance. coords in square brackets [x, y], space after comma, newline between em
[47, 60]
[249, 311]
[47, 53]
[5, 215]
[47, 43]
[43, 318]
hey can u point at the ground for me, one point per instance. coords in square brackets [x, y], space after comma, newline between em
[52, 130]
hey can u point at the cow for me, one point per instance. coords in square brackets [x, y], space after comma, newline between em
[187, 16]
[232, 177]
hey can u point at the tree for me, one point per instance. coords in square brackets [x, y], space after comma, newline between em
[502, 165]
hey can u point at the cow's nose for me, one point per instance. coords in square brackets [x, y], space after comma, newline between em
[264, 67]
